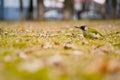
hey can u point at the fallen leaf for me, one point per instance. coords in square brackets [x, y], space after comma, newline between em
[69, 46]
[113, 66]
[118, 52]
[55, 60]
[77, 52]
[31, 66]
[82, 37]
[47, 45]
[43, 35]
[23, 55]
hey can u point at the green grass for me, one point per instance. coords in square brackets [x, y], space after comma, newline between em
[55, 51]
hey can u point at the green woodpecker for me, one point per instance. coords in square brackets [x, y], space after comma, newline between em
[90, 32]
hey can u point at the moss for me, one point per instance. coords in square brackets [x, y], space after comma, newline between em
[45, 39]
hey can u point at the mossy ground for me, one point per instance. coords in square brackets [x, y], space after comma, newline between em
[58, 51]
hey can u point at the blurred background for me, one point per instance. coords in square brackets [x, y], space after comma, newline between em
[15, 10]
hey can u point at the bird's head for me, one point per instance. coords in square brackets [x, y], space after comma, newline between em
[83, 27]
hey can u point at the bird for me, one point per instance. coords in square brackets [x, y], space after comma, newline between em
[90, 32]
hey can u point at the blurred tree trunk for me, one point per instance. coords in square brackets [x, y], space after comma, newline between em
[30, 16]
[21, 10]
[68, 10]
[40, 9]
[118, 8]
[111, 8]
[114, 2]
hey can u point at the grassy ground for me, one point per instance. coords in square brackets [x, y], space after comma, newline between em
[57, 51]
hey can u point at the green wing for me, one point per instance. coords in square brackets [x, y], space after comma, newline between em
[95, 31]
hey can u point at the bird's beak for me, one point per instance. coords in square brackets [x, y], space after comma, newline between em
[76, 27]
